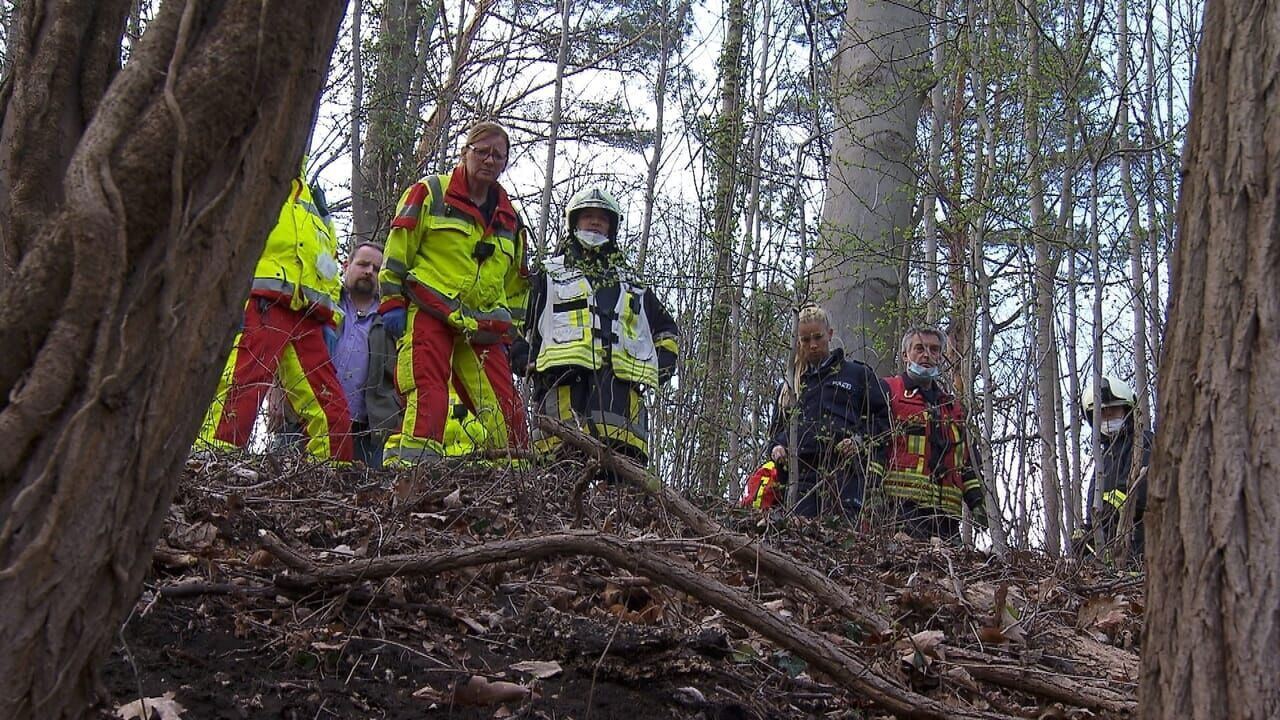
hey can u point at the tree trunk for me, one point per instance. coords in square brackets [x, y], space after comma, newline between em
[933, 180]
[883, 56]
[360, 206]
[669, 31]
[1213, 553]
[386, 160]
[1045, 272]
[553, 135]
[131, 267]
[725, 144]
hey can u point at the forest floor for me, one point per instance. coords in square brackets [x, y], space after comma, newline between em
[271, 597]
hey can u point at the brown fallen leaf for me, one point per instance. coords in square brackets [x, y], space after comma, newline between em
[925, 641]
[990, 635]
[1101, 611]
[261, 559]
[194, 537]
[481, 691]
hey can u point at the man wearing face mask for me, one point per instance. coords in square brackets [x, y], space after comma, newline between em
[932, 472]
[595, 339]
[1117, 430]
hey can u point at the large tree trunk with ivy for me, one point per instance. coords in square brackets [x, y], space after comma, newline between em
[880, 81]
[136, 202]
[1213, 552]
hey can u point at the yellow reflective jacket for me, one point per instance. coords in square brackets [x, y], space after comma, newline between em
[300, 262]
[442, 256]
[571, 332]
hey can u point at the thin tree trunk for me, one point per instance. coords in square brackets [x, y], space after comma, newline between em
[1095, 382]
[1213, 557]
[1045, 274]
[726, 144]
[173, 177]
[751, 240]
[553, 135]
[1155, 222]
[357, 119]
[385, 156]
[984, 167]
[937, 119]
[1133, 228]
[669, 30]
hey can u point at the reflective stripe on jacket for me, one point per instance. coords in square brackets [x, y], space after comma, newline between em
[441, 255]
[299, 264]
[919, 469]
[571, 332]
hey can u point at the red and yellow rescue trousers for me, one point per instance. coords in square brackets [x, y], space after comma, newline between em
[290, 343]
[433, 354]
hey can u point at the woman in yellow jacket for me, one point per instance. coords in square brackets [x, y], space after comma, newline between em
[454, 282]
[293, 300]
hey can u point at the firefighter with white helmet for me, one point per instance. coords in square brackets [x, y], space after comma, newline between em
[1111, 406]
[596, 339]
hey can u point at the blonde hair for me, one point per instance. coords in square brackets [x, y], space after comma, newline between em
[806, 314]
[482, 130]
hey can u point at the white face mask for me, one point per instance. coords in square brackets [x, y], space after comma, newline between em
[921, 372]
[1111, 427]
[590, 239]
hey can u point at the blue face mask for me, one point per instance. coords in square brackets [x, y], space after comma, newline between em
[920, 372]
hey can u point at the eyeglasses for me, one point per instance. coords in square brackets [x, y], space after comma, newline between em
[491, 153]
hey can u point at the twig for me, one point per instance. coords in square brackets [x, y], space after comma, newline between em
[812, 647]
[750, 553]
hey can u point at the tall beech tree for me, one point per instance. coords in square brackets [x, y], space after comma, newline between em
[134, 203]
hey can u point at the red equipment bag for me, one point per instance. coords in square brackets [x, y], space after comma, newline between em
[762, 488]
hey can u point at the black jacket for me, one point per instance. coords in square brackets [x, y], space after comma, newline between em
[836, 400]
[1116, 465]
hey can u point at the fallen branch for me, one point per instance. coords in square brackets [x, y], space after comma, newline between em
[815, 649]
[1042, 682]
[749, 552]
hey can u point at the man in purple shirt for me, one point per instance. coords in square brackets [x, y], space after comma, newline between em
[359, 303]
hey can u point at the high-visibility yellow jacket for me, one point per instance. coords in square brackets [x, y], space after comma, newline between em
[571, 331]
[443, 256]
[300, 262]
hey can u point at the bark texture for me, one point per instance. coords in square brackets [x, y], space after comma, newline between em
[1213, 625]
[149, 199]
[881, 76]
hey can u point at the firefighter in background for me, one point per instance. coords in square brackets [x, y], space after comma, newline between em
[840, 413]
[596, 340]
[291, 315]
[1109, 489]
[932, 471]
[454, 284]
